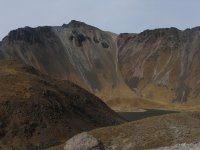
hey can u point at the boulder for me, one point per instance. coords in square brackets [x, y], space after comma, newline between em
[83, 141]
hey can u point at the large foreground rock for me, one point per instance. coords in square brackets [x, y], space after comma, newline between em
[83, 141]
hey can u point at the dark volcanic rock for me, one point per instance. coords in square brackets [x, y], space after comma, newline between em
[29, 35]
[2, 133]
[78, 24]
[104, 45]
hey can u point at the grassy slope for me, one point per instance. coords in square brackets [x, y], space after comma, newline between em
[152, 132]
[39, 111]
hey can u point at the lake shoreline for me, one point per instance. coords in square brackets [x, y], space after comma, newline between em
[138, 115]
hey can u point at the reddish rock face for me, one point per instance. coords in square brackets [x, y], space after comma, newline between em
[160, 58]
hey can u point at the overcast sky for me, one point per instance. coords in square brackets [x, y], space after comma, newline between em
[113, 15]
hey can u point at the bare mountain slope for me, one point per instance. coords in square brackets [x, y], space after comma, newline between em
[149, 69]
[76, 51]
[37, 111]
[162, 64]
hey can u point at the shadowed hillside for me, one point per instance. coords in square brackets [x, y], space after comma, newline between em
[37, 111]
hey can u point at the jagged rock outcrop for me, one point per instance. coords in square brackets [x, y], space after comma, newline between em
[38, 111]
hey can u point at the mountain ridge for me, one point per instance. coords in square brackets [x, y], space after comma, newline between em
[120, 69]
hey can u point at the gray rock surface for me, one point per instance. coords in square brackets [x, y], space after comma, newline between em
[83, 141]
[181, 147]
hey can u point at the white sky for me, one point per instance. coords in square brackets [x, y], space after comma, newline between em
[112, 15]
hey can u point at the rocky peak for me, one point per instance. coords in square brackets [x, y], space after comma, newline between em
[27, 34]
[160, 32]
[77, 24]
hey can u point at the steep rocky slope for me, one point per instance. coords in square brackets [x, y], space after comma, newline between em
[162, 64]
[76, 51]
[37, 111]
[150, 69]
